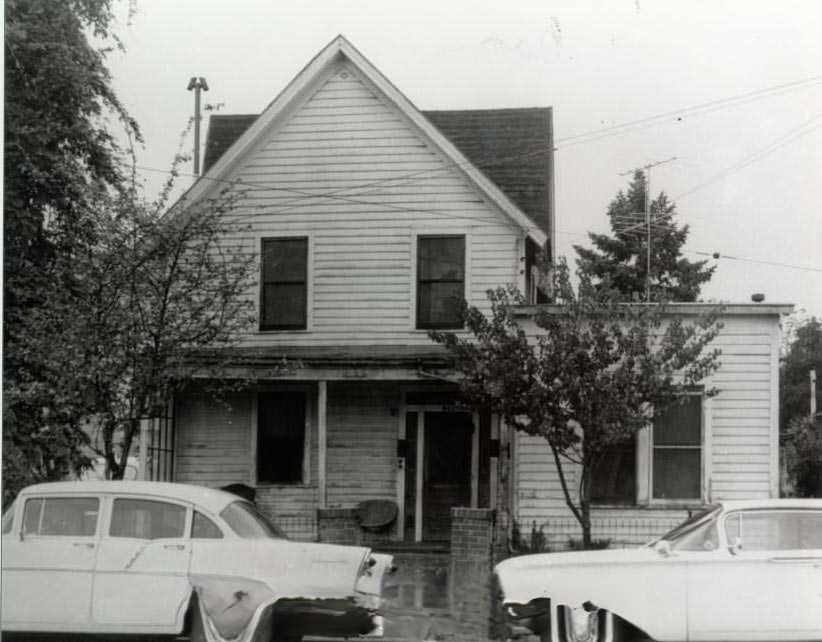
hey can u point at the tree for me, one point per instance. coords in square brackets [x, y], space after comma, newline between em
[803, 456]
[803, 354]
[586, 381]
[621, 259]
[800, 433]
[61, 161]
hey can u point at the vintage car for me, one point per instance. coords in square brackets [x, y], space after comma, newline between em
[150, 558]
[739, 570]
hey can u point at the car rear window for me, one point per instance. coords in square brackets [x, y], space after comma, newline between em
[203, 528]
[147, 519]
[61, 516]
[245, 520]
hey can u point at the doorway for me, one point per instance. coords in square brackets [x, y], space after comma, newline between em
[447, 462]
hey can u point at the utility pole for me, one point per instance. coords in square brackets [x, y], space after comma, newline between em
[646, 169]
[813, 393]
[198, 85]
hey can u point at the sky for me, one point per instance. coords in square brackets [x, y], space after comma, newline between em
[732, 90]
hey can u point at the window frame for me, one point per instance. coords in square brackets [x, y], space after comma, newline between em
[101, 516]
[308, 279]
[189, 512]
[416, 269]
[703, 452]
[310, 406]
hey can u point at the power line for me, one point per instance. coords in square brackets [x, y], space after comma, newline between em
[717, 255]
[589, 136]
[782, 140]
[707, 107]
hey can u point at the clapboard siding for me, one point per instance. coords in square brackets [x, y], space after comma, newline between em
[742, 421]
[213, 440]
[348, 169]
[362, 434]
[213, 448]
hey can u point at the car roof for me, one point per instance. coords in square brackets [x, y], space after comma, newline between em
[785, 502]
[209, 498]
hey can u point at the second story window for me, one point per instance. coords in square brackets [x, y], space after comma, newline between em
[284, 287]
[440, 281]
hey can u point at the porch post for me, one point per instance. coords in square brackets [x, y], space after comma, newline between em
[322, 439]
[141, 472]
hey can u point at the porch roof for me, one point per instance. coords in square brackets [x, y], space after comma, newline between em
[329, 356]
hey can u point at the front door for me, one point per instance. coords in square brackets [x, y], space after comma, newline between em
[447, 466]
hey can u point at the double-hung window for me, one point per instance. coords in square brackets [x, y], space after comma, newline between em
[440, 281]
[284, 287]
[672, 446]
[677, 450]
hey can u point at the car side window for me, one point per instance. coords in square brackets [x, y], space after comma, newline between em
[147, 519]
[203, 528]
[61, 516]
[775, 530]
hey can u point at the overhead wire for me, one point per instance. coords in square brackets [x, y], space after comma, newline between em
[344, 195]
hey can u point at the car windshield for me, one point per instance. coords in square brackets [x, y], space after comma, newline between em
[249, 523]
[8, 518]
[693, 523]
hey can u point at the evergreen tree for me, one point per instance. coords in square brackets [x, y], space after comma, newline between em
[621, 258]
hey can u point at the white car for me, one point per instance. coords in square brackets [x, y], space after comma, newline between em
[739, 570]
[150, 558]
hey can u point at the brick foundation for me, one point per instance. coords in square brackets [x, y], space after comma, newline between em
[472, 544]
[338, 526]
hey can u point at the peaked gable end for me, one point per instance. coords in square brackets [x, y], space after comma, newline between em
[342, 100]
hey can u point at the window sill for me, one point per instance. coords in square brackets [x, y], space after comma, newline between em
[295, 331]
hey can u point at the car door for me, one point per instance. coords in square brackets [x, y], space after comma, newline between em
[141, 582]
[48, 563]
[765, 585]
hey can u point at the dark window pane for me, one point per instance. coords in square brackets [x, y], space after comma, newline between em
[284, 284]
[441, 258]
[680, 424]
[677, 473]
[614, 480]
[68, 516]
[203, 528]
[284, 259]
[440, 305]
[284, 306]
[147, 519]
[280, 437]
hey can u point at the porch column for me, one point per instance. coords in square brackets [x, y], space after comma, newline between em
[144, 428]
[322, 439]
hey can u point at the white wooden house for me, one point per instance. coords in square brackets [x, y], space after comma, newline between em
[368, 219]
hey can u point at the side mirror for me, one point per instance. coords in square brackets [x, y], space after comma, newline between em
[663, 547]
[736, 546]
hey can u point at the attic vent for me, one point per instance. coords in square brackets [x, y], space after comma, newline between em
[343, 74]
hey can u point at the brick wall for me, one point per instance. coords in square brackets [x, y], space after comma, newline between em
[338, 526]
[472, 544]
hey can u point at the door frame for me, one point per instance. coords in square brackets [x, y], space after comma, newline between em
[421, 409]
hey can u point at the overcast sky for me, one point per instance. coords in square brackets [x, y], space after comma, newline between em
[748, 174]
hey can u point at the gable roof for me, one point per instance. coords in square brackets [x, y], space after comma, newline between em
[340, 49]
[512, 147]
